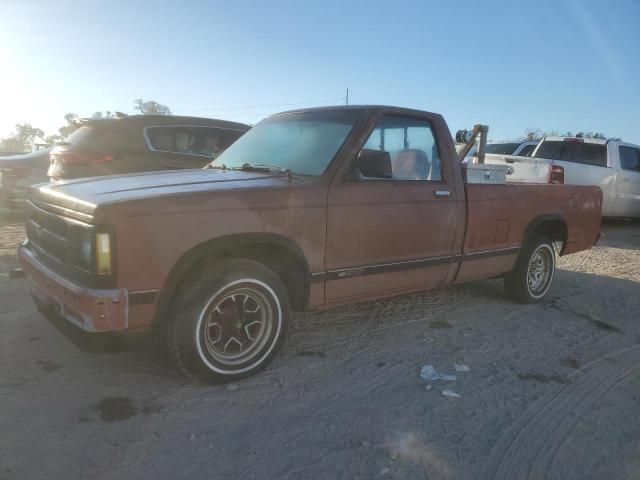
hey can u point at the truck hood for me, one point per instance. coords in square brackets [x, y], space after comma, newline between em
[86, 194]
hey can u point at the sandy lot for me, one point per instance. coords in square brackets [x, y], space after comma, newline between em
[552, 390]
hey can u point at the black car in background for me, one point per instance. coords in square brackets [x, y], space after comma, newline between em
[17, 173]
[140, 143]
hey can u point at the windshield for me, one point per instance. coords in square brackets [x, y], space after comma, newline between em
[502, 148]
[304, 143]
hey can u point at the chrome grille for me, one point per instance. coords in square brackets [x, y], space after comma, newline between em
[48, 233]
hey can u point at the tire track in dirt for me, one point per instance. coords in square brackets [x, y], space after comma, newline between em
[12, 235]
[576, 261]
[529, 447]
[334, 329]
[603, 260]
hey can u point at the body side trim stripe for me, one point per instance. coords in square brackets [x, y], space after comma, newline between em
[342, 273]
[491, 253]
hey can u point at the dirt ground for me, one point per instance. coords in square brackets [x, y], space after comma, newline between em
[553, 389]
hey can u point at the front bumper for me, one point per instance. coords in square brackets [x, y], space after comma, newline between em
[92, 310]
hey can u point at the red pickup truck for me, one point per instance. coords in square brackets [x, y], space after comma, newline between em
[309, 209]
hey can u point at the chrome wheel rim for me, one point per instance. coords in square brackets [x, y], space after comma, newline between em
[540, 270]
[236, 325]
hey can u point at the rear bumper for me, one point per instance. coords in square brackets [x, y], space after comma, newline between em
[90, 309]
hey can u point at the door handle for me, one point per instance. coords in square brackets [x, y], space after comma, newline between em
[442, 193]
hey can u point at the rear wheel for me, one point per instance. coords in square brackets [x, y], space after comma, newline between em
[533, 273]
[229, 321]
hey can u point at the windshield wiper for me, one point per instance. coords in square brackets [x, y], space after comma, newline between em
[260, 167]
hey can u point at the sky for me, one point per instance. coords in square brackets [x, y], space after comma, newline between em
[564, 65]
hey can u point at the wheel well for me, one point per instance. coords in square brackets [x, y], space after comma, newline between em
[555, 229]
[279, 254]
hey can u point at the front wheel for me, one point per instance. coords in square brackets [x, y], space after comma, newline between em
[228, 321]
[533, 273]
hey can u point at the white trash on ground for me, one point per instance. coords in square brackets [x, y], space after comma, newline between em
[430, 374]
[461, 367]
[450, 393]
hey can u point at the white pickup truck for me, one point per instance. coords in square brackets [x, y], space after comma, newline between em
[612, 165]
[519, 148]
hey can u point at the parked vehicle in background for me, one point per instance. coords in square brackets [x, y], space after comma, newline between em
[612, 165]
[141, 143]
[524, 149]
[10, 154]
[17, 174]
[310, 209]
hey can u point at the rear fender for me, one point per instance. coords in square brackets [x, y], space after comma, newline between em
[557, 223]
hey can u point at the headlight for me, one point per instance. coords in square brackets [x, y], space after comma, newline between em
[103, 254]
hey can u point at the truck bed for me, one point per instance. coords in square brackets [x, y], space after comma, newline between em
[500, 216]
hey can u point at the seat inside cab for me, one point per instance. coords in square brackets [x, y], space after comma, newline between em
[411, 145]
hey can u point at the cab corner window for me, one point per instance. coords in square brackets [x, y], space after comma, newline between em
[411, 146]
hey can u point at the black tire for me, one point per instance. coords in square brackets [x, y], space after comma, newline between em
[531, 278]
[222, 308]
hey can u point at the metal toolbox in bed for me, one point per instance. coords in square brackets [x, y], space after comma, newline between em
[484, 173]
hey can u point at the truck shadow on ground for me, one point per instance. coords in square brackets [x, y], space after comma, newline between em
[318, 335]
[621, 233]
[102, 342]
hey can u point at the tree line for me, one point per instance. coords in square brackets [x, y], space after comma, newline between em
[535, 134]
[26, 136]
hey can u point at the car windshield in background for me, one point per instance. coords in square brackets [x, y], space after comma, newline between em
[303, 143]
[574, 151]
[502, 148]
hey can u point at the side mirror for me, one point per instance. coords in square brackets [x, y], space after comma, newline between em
[374, 163]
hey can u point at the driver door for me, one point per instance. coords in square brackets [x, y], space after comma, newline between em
[396, 234]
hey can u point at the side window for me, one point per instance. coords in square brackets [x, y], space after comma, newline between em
[205, 141]
[630, 158]
[411, 145]
[161, 138]
[527, 150]
[217, 140]
[182, 139]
